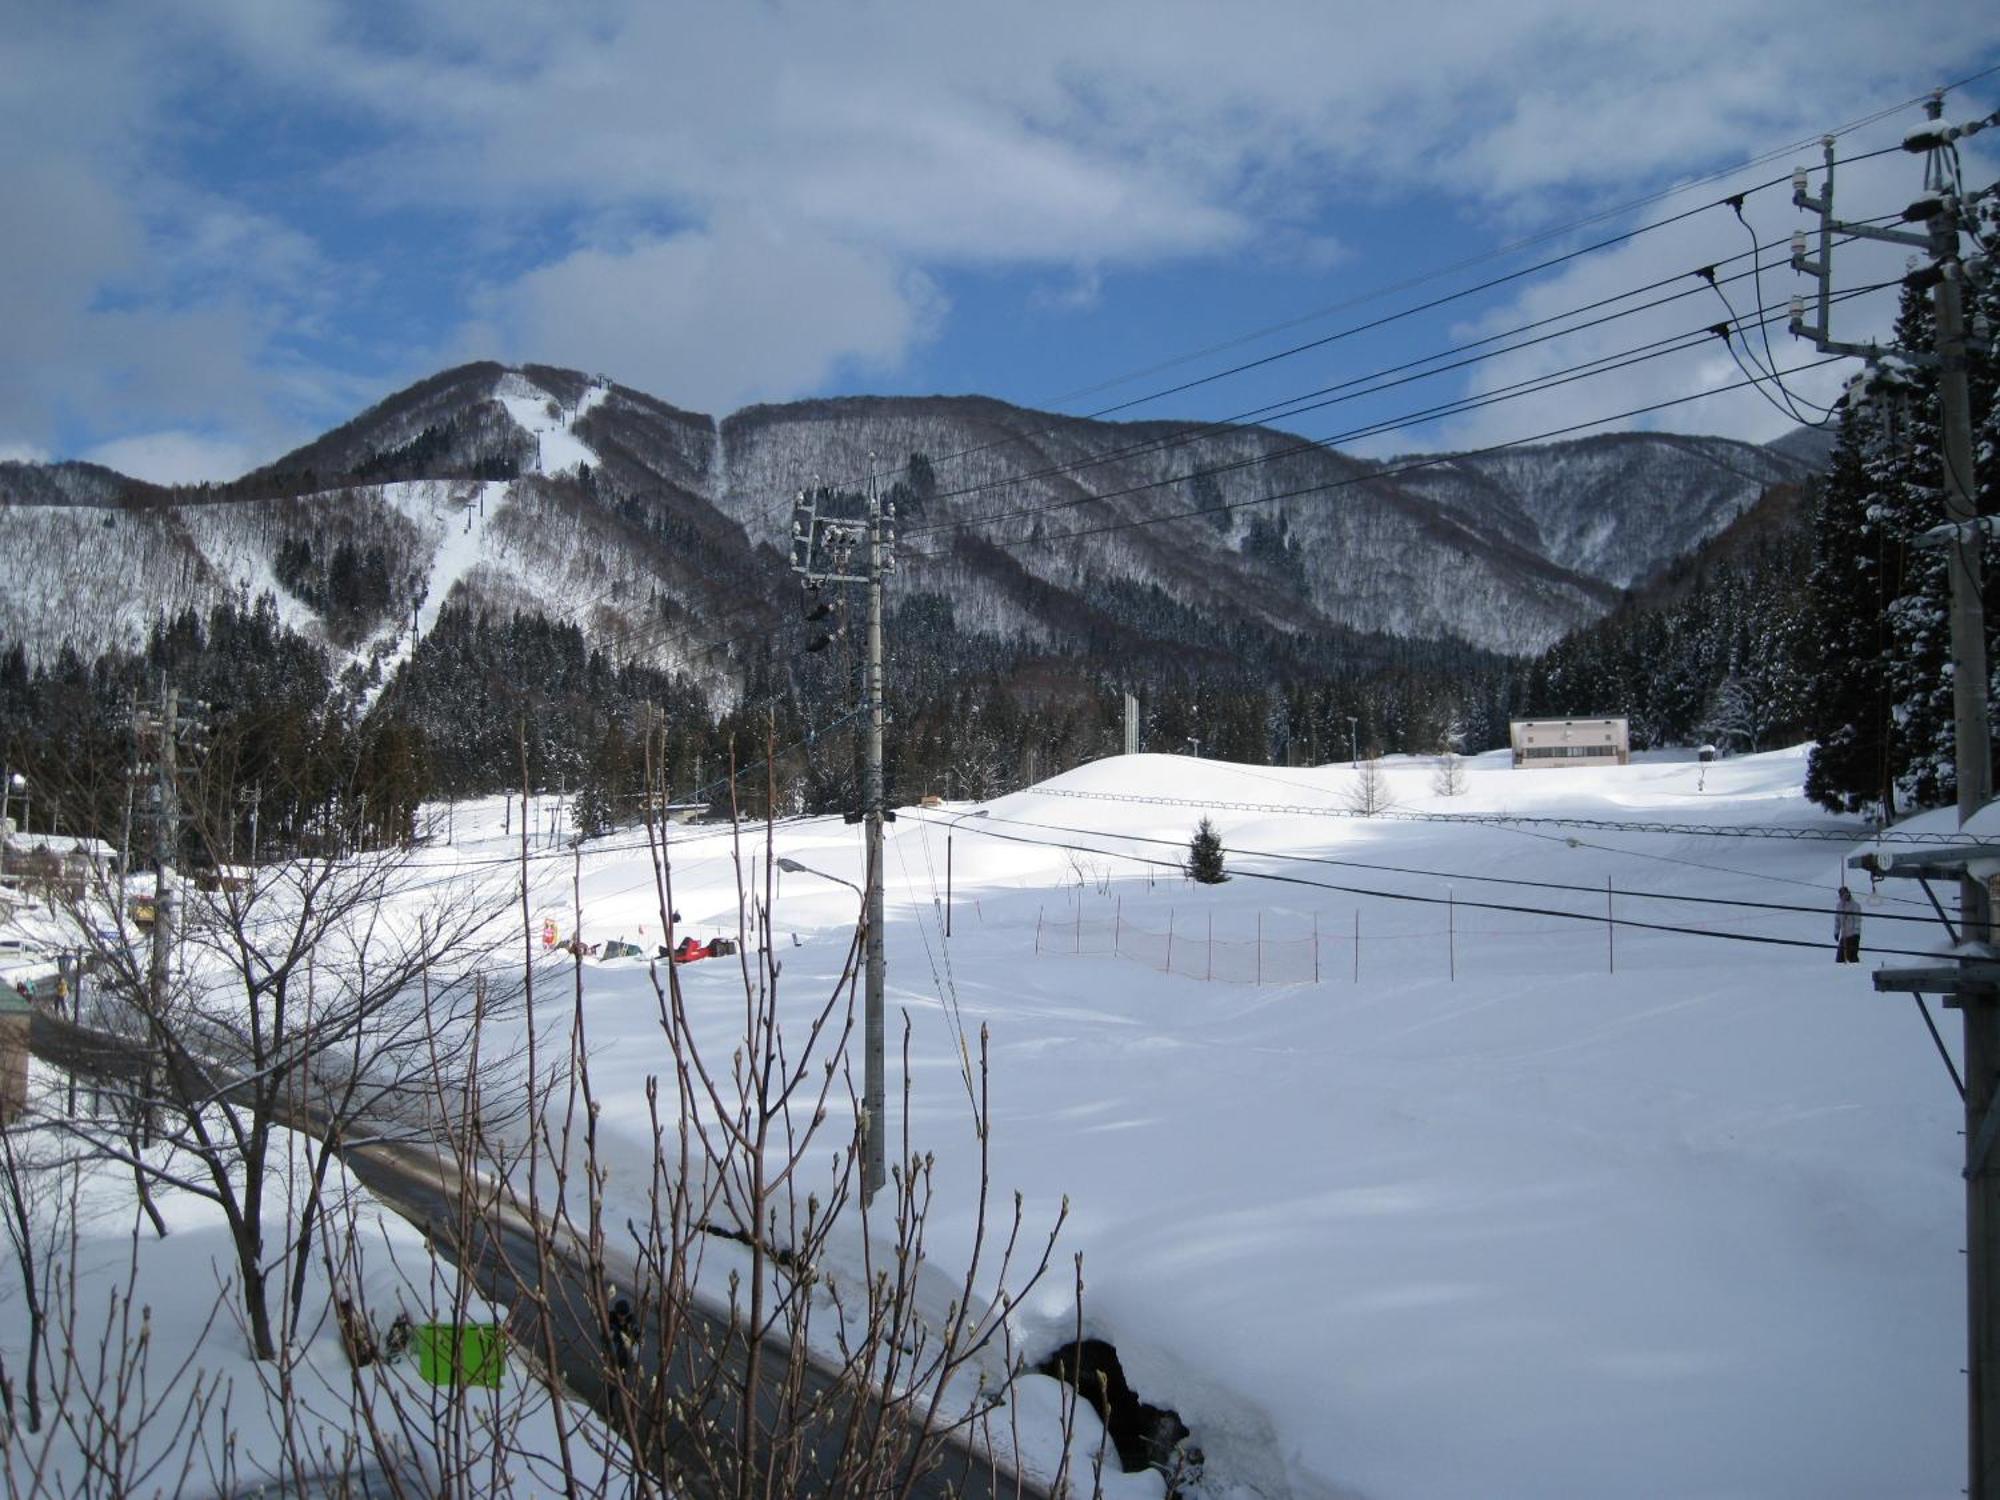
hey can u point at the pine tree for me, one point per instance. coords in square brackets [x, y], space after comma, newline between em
[1846, 594]
[1204, 861]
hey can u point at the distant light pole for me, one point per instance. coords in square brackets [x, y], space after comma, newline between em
[1353, 739]
[793, 867]
[873, 1063]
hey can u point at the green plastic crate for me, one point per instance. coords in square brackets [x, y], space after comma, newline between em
[469, 1354]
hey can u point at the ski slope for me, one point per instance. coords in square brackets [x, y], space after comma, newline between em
[549, 422]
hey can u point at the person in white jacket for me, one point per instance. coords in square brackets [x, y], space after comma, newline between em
[1847, 928]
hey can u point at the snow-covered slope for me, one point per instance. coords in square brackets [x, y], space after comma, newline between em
[1618, 507]
[1496, 1201]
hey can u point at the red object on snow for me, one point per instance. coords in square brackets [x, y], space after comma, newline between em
[689, 950]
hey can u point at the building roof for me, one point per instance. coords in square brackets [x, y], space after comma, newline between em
[58, 843]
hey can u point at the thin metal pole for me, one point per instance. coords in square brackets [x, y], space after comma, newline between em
[1315, 947]
[1357, 945]
[1118, 925]
[1610, 932]
[947, 885]
[1210, 974]
[1260, 947]
[1451, 930]
[1170, 940]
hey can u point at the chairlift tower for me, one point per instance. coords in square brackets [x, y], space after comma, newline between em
[831, 546]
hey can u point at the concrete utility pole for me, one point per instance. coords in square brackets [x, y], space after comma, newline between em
[1967, 985]
[875, 1092]
[1973, 754]
[824, 550]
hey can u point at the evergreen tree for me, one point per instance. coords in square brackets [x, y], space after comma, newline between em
[1903, 476]
[1204, 861]
[1846, 593]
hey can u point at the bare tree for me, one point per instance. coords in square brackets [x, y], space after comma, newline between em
[803, 1341]
[37, 1197]
[318, 994]
[1369, 794]
[1448, 774]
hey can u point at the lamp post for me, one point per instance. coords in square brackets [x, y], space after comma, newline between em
[873, 1063]
[1353, 739]
[793, 867]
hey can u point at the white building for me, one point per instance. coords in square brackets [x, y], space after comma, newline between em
[1548, 744]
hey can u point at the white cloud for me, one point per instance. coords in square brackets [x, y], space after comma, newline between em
[715, 318]
[748, 198]
[173, 457]
[22, 453]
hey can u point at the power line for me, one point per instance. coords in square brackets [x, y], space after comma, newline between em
[1294, 406]
[1412, 898]
[1392, 472]
[1374, 324]
[1451, 876]
[1529, 241]
[1601, 365]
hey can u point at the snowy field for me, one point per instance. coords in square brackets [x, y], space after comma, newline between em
[1510, 1206]
[1502, 1201]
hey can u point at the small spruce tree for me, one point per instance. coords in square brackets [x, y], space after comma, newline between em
[1204, 862]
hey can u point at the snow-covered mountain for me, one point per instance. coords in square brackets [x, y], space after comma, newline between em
[660, 529]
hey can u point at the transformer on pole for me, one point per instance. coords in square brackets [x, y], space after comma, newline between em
[831, 546]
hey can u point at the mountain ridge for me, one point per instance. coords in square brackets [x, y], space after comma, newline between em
[640, 518]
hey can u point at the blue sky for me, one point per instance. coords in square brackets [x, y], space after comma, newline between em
[234, 223]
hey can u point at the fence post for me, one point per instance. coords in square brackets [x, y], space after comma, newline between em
[1610, 932]
[1038, 930]
[1451, 931]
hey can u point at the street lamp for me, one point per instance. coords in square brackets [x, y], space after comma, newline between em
[874, 1107]
[793, 867]
[1353, 739]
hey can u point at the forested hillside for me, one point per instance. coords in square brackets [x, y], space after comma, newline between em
[535, 577]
